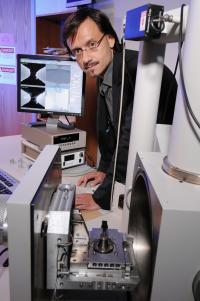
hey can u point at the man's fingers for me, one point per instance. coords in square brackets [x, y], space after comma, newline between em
[99, 179]
[80, 181]
[95, 182]
[85, 179]
[80, 206]
[80, 202]
[81, 199]
[86, 202]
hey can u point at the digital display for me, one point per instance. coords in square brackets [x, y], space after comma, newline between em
[69, 157]
[66, 138]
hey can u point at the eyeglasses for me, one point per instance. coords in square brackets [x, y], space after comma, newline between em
[92, 45]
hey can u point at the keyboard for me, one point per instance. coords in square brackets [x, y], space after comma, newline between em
[7, 186]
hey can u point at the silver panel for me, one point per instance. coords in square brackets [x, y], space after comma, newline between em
[171, 210]
[42, 136]
[58, 238]
[26, 250]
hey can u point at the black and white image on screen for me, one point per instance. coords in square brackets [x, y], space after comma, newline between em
[54, 86]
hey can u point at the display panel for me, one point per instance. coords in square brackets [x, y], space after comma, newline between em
[49, 84]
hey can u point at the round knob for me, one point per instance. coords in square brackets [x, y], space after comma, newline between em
[104, 244]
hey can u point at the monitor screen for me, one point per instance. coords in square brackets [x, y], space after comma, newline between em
[49, 84]
[71, 3]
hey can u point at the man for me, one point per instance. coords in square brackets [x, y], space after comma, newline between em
[90, 37]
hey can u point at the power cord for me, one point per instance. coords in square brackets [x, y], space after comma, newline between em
[3, 251]
[119, 123]
[69, 126]
[5, 264]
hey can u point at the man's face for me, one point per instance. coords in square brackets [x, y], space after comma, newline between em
[92, 61]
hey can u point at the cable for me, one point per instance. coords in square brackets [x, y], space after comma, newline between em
[69, 126]
[176, 65]
[54, 295]
[159, 27]
[170, 18]
[3, 251]
[67, 119]
[181, 71]
[119, 122]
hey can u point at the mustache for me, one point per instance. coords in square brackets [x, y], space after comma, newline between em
[89, 65]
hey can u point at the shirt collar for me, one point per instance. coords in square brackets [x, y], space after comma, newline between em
[107, 78]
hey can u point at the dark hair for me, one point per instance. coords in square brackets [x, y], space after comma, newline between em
[75, 19]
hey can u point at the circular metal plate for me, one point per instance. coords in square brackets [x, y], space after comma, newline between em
[181, 175]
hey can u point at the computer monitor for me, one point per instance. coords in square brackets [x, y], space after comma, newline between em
[49, 84]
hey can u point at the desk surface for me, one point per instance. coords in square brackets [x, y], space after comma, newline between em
[12, 161]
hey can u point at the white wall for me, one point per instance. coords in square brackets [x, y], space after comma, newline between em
[116, 10]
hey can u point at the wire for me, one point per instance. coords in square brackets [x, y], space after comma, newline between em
[67, 119]
[186, 99]
[54, 295]
[119, 123]
[176, 66]
[168, 18]
[63, 257]
[69, 126]
[3, 251]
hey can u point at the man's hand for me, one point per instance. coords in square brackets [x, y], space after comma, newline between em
[85, 201]
[97, 177]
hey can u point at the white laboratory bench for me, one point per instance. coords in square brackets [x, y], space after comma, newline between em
[13, 162]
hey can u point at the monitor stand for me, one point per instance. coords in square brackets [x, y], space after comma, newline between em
[37, 123]
[53, 122]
